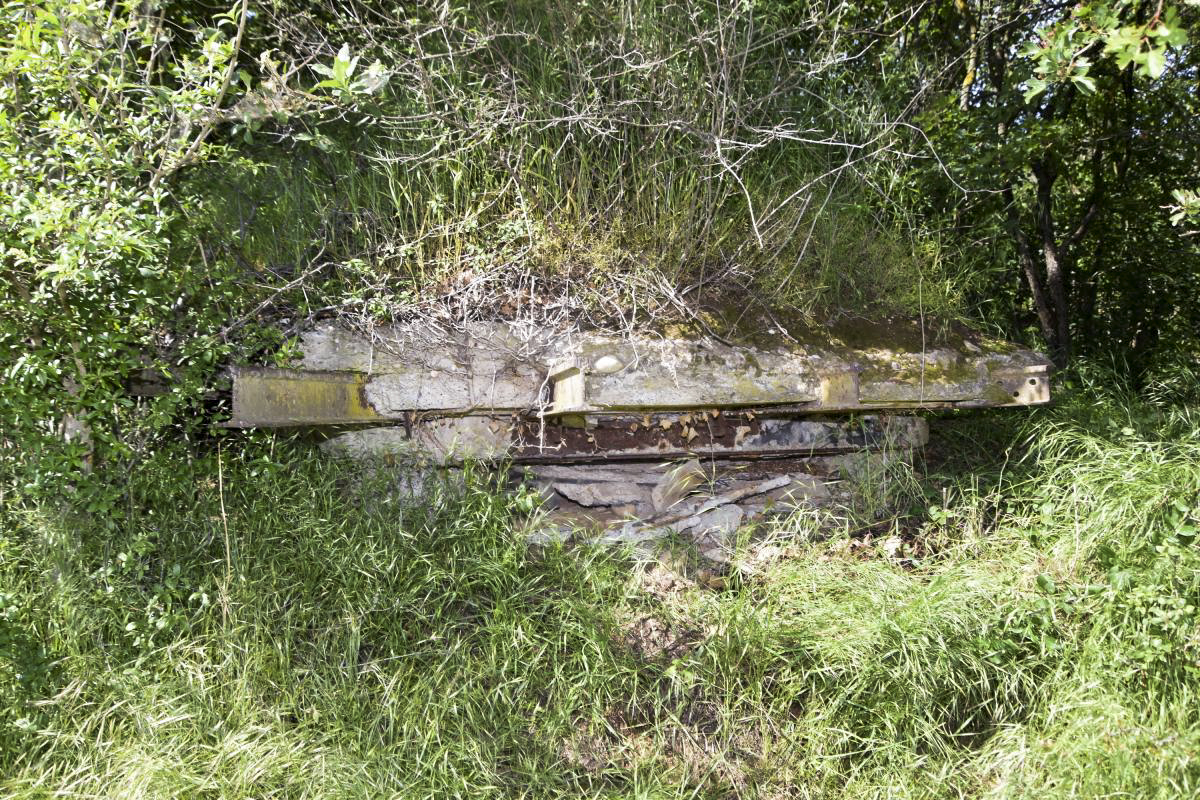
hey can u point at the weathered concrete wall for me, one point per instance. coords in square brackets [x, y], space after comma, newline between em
[632, 439]
[488, 369]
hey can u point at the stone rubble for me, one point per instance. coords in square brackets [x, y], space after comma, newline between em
[676, 484]
[705, 503]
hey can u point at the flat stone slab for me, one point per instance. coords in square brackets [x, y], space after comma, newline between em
[602, 493]
[494, 368]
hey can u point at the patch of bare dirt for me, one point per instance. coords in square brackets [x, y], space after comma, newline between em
[678, 569]
[586, 749]
[661, 581]
[652, 639]
[686, 740]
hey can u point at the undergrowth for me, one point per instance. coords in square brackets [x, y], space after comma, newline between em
[533, 158]
[273, 625]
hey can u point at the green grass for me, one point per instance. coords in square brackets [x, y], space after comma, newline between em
[538, 145]
[1039, 638]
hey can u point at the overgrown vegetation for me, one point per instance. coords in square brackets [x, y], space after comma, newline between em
[274, 626]
[185, 185]
[185, 612]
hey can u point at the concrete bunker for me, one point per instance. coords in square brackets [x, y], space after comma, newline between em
[636, 436]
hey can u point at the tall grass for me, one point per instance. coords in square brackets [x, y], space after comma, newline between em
[694, 144]
[1037, 637]
[344, 646]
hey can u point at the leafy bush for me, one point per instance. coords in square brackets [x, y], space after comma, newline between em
[110, 117]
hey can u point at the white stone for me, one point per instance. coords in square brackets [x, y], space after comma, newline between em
[607, 365]
[720, 522]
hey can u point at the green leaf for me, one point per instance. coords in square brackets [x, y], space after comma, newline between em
[1174, 33]
[1120, 579]
[1156, 61]
[343, 65]
[1085, 82]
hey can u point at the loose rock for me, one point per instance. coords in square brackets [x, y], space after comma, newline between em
[720, 522]
[602, 493]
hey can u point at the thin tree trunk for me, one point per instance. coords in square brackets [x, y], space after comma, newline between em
[1033, 276]
[1087, 292]
[964, 92]
[1055, 260]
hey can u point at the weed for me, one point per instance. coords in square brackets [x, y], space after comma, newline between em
[1044, 643]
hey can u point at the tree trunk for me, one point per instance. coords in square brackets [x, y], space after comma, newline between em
[1033, 277]
[1048, 272]
[1087, 293]
[1056, 262]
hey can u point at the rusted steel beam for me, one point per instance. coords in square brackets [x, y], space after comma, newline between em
[265, 397]
[624, 438]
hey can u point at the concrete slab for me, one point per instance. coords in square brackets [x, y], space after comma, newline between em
[491, 368]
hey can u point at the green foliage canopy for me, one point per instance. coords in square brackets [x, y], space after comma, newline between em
[178, 181]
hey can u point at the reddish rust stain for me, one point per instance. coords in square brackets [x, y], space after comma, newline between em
[630, 432]
[362, 397]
